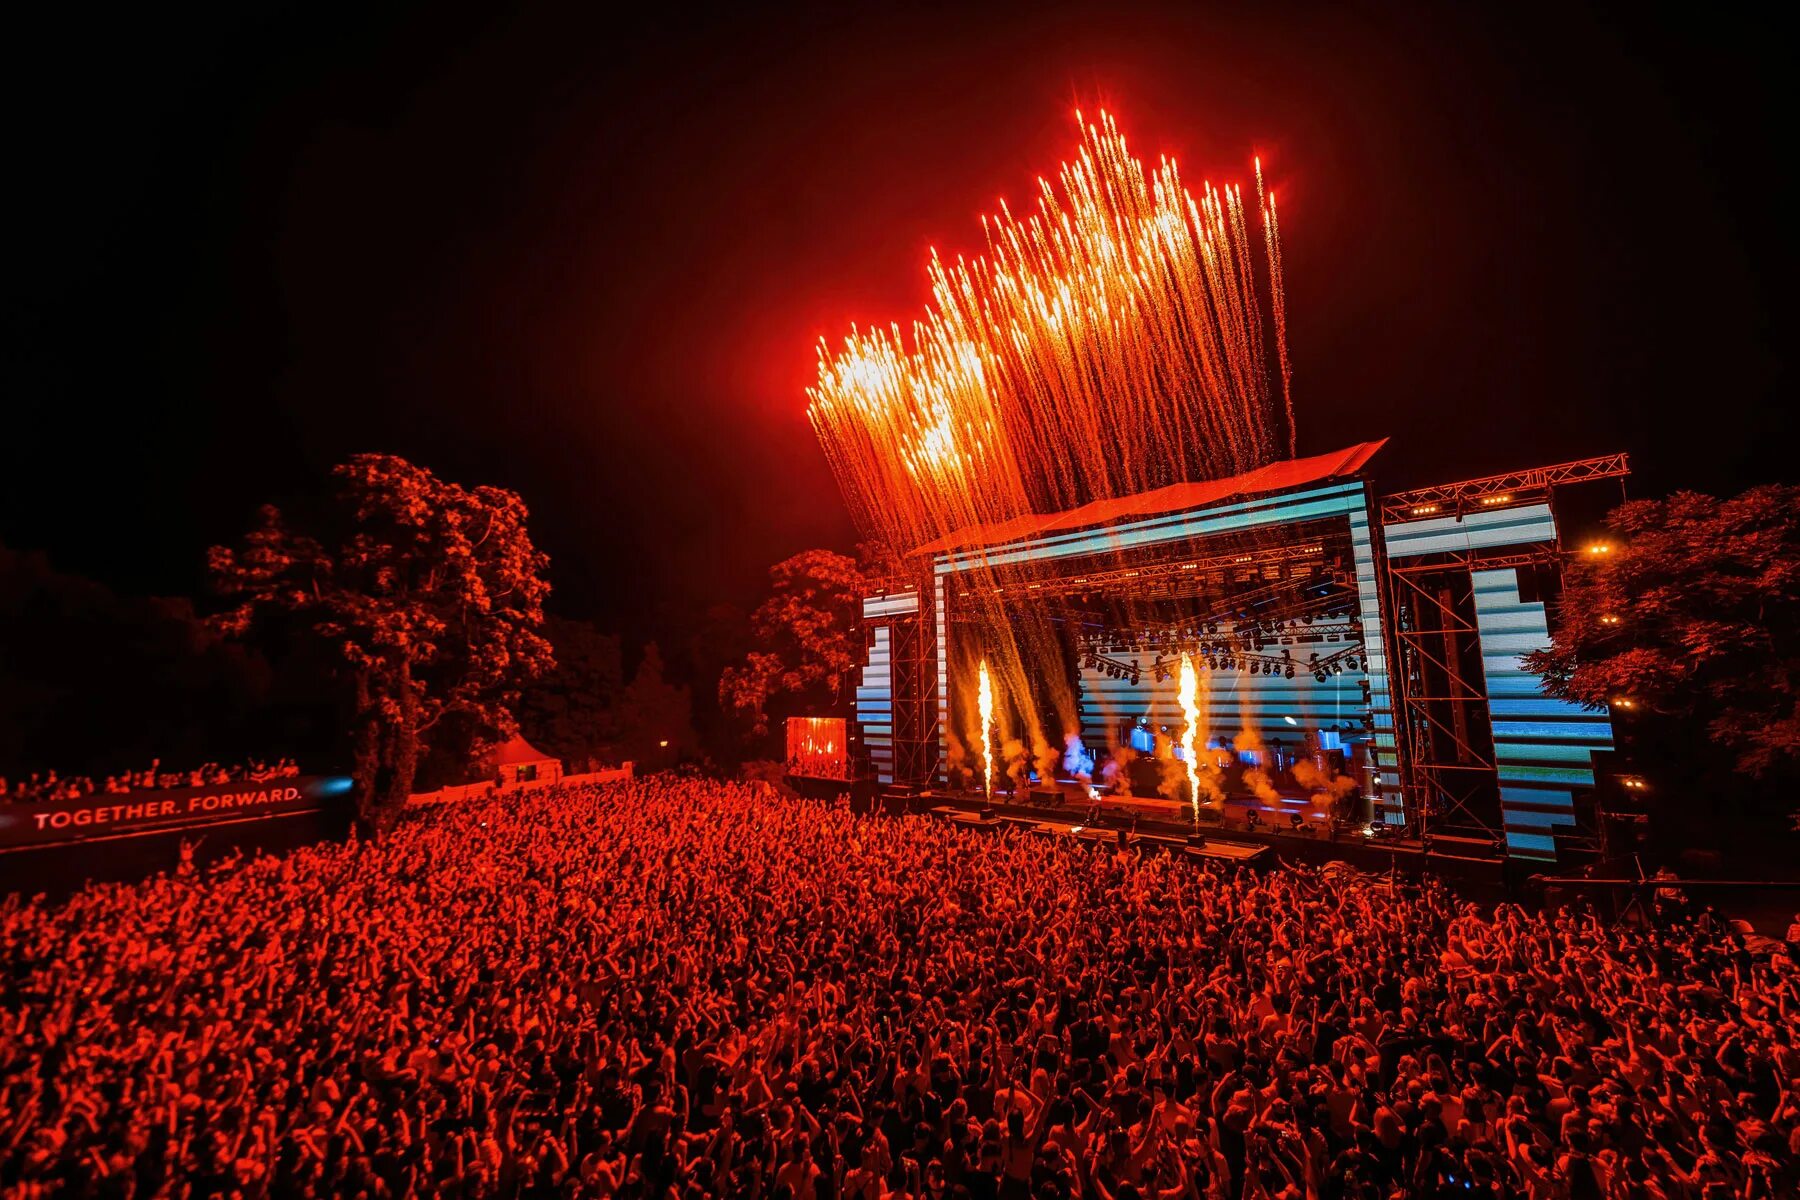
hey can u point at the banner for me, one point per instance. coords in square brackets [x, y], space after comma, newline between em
[110, 814]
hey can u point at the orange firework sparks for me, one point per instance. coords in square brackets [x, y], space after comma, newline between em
[1110, 342]
[1120, 335]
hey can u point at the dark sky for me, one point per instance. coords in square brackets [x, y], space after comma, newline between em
[589, 258]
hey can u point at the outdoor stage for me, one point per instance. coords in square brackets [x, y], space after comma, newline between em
[1360, 686]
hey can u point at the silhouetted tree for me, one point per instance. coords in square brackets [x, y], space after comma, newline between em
[428, 594]
[719, 640]
[1692, 614]
[92, 682]
[572, 711]
[656, 723]
[808, 637]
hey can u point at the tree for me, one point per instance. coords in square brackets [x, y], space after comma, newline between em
[572, 711]
[1691, 613]
[808, 636]
[427, 594]
[656, 722]
[92, 682]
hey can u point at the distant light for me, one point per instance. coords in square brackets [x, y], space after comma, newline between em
[1490, 501]
[1609, 620]
[1423, 510]
[1624, 702]
[1290, 720]
[1597, 548]
[664, 743]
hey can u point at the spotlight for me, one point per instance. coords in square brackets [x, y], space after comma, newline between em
[1288, 673]
[1319, 675]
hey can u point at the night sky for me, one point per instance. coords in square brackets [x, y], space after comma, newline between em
[590, 259]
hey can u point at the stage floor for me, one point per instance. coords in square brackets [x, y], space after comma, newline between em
[1164, 822]
[1236, 810]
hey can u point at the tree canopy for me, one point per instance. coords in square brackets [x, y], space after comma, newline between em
[1691, 611]
[428, 596]
[572, 711]
[808, 635]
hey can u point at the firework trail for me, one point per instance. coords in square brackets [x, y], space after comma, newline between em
[1277, 300]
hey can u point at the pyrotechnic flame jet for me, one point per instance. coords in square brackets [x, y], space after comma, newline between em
[986, 700]
[1190, 709]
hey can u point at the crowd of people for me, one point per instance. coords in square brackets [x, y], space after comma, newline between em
[49, 786]
[680, 988]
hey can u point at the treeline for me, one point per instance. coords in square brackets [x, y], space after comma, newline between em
[96, 683]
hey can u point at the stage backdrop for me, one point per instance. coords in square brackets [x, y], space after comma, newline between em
[116, 814]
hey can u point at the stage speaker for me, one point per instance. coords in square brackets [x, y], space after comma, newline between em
[862, 796]
[987, 812]
[1145, 775]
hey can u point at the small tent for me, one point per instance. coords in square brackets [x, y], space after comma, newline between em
[518, 761]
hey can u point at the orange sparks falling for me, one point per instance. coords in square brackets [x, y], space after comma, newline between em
[1190, 709]
[1110, 342]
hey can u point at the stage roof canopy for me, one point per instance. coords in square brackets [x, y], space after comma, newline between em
[1177, 497]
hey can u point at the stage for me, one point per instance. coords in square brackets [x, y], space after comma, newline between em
[1323, 668]
[1477, 870]
[1156, 825]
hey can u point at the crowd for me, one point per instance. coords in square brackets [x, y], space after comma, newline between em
[684, 989]
[49, 786]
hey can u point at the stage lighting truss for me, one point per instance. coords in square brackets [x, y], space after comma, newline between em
[1272, 568]
[1250, 633]
[1499, 491]
[1162, 668]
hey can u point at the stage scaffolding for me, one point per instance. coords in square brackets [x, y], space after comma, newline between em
[915, 694]
[1479, 761]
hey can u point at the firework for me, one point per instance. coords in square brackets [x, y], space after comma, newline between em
[1109, 342]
